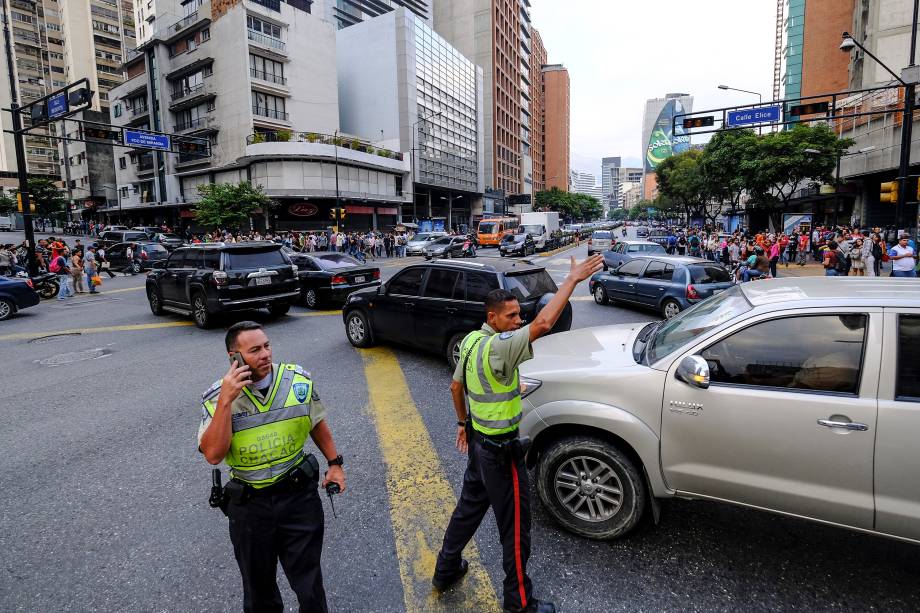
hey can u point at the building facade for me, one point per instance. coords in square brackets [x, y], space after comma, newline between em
[496, 35]
[427, 100]
[586, 183]
[812, 33]
[557, 128]
[257, 79]
[345, 13]
[537, 111]
[659, 139]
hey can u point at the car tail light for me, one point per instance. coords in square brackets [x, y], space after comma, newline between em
[219, 277]
[692, 294]
[144, 255]
[339, 280]
[29, 283]
[376, 274]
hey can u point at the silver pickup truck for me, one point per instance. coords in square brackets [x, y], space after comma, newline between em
[796, 396]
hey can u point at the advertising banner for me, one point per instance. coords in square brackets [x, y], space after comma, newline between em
[663, 143]
[795, 221]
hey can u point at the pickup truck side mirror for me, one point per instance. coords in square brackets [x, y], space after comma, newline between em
[693, 370]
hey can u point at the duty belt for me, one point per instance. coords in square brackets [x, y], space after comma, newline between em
[298, 478]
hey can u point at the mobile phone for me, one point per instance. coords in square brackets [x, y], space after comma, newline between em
[237, 357]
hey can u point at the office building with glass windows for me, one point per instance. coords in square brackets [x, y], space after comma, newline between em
[427, 100]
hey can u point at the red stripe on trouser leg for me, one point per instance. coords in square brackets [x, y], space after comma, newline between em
[517, 535]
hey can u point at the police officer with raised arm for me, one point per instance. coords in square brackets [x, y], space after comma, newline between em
[257, 419]
[496, 475]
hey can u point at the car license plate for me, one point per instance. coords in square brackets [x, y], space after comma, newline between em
[359, 279]
[263, 280]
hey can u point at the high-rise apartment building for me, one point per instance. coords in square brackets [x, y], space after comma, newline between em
[585, 183]
[496, 35]
[346, 13]
[257, 78]
[812, 66]
[427, 99]
[614, 177]
[36, 42]
[557, 126]
[537, 110]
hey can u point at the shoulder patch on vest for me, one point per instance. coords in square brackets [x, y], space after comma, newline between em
[212, 391]
[505, 336]
[301, 390]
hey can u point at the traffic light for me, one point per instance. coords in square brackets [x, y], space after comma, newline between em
[198, 148]
[698, 122]
[889, 192]
[814, 108]
[79, 96]
[19, 201]
[99, 133]
[337, 214]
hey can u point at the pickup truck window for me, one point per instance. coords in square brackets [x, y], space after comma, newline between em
[908, 383]
[696, 321]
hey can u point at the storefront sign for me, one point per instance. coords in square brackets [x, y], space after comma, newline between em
[303, 209]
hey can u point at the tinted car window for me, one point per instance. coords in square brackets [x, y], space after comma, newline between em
[442, 283]
[632, 268]
[478, 285]
[211, 260]
[442, 241]
[408, 283]
[530, 285]
[175, 260]
[700, 274]
[655, 270]
[255, 258]
[192, 259]
[135, 236]
[155, 249]
[825, 356]
[601, 235]
[907, 386]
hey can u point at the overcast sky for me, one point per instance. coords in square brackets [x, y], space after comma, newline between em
[621, 52]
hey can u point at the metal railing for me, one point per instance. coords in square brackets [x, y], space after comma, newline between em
[198, 122]
[184, 22]
[267, 76]
[139, 110]
[261, 111]
[268, 41]
[185, 91]
[130, 54]
[288, 136]
[274, 5]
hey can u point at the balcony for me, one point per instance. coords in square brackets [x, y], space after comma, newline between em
[178, 29]
[266, 42]
[137, 110]
[287, 136]
[260, 111]
[206, 123]
[267, 77]
[191, 96]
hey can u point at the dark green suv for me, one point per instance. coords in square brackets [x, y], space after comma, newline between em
[204, 280]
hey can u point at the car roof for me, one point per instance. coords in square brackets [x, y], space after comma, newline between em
[487, 264]
[635, 242]
[234, 246]
[676, 259]
[835, 291]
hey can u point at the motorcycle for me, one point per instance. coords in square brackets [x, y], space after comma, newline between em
[468, 250]
[45, 283]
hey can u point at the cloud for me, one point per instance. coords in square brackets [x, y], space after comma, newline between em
[621, 52]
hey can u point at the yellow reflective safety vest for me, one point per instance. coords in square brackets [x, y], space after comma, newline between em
[495, 408]
[268, 442]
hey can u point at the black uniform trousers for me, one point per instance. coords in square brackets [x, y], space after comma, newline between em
[498, 479]
[286, 526]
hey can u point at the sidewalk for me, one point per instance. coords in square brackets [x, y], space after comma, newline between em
[812, 269]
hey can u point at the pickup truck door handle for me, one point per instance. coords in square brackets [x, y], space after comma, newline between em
[846, 425]
[451, 310]
[409, 305]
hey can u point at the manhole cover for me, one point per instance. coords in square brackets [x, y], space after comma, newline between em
[62, 359]
[50, 338]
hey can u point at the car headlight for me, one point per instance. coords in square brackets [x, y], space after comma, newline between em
[529, 386]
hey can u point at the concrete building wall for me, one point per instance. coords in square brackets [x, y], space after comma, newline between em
[557, 126]
[538, 111]
[824, 69]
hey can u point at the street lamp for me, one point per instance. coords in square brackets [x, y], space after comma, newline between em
[746, 91]
[907, 116]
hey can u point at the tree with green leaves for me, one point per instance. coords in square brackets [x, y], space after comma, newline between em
[229, 205]
[570, 205]
[7, 203]
[787, 161]
[682, 181]
[726, 164]
[46, 199]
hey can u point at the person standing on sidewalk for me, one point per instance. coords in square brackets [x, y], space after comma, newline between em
[903, 259]
[89, 267]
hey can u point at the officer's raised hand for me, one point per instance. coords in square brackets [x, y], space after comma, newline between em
[235, 380]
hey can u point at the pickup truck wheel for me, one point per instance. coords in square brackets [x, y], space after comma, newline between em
[453, 349]
[200, 311]
[358, 330]
[156, 303]
[591, 488]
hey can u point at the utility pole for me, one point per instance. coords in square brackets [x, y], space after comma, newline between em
[24, 189]
[907, 125]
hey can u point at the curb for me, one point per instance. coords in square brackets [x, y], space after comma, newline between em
[548, 254]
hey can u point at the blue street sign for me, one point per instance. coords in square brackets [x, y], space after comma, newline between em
[761, 114]
[147, 140]
[57, 105]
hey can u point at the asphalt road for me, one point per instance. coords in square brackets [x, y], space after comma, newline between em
[104, 505]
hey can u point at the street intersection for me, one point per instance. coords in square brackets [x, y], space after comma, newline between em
[105, 505]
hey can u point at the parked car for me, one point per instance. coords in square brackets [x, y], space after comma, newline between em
[208, 279]
[445, 247]
[148, 230]
[113, 237]
[667, 283]
[797, 396]
[144, 254]
[517, 244]
[170, 241]
[433, 305]
[6, 223]
[626, 250]
[600, 241]
[115, 228]
[659, 237]
[420, 241]
[642, 231]
[15, 295]
[327, 276]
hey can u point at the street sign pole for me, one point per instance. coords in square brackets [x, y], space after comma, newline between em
[23, 175]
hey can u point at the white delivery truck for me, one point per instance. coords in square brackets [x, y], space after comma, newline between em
[540, 226]
[6, 223]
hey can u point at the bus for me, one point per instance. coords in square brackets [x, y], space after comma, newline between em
[492, 229]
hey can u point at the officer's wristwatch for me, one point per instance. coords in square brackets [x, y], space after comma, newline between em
[337, 461]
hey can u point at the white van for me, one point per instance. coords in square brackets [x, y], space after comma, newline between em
[6, 223]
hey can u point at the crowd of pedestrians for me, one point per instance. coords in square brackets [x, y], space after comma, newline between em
[364, 245]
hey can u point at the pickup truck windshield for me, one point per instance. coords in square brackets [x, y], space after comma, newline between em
[696, 321]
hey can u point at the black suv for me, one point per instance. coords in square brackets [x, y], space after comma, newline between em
[208, 279]
[113, 237]
[433, 305]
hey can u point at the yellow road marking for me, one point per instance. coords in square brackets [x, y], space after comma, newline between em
[421, 499]
[127, 328]
[123, 289]
[315, 313]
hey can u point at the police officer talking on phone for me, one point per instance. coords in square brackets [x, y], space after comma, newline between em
[496, 475]
[257, 419]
